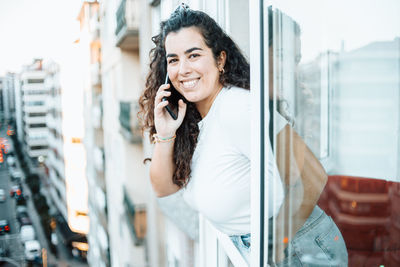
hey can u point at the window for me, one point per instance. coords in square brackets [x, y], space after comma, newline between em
[39, 114]
[35, 81]
[38, 147]
[37, 125]
[333, 76]
[35, 103]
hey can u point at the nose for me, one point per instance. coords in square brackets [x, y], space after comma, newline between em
[184, 67]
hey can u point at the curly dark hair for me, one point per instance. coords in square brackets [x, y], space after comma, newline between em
[237, 73]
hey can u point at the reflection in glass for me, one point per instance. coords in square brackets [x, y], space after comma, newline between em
[339, 107]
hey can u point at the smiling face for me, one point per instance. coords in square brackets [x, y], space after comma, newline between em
[192, 68]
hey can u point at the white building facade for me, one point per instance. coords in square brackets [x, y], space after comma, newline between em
[8, 93]
[90, 46]
[32, 96]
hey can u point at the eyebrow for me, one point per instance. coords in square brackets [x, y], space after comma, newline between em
[186, 52]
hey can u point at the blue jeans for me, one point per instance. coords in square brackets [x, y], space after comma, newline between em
[242, 242]
[317, 243]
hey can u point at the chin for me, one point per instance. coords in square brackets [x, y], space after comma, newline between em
[191, 98]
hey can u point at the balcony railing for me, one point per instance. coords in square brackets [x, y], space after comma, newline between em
[129, 124]
[34, 109]
[127, 31]
[216, 248]
[94, 26]
[31, 120]
[97, 116]
[95, 74]
[37, 152]
[98, 157]
[31, 98]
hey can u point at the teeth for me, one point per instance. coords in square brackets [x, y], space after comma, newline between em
[189, 84]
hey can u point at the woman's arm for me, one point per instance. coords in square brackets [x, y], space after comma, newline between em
[304, 179]
[162, 166]
[162, 169]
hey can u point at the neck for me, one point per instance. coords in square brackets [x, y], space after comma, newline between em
[204, 106]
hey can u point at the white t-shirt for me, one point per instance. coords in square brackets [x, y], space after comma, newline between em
[220, 179]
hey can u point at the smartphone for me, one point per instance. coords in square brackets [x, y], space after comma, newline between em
[173, 99]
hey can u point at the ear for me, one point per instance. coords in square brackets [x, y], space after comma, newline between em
[221, 60]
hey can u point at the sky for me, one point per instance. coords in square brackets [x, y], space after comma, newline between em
[45, 28]
[36, 29]
[333, 23]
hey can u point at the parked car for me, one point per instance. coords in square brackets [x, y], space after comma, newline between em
[27, 233]
[21, 209]
[32, 250]
[16, 175]
[4, 252]
[23, 216]
[11, 161]
[4, 227]
[2, 195]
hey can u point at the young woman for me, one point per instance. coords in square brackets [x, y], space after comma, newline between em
[205, 151]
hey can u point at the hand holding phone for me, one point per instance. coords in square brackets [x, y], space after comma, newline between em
[168, 100]
[173, 99]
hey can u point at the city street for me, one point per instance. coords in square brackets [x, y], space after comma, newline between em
[11, 242]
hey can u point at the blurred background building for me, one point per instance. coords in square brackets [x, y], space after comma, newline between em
[31, 96]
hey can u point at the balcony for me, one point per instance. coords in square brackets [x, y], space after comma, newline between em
[34, 87]
[31, 120]
[97, 116]
[127, 31]
[94, 27]
[36, 142]
[50, 121]
[33, 74]
[34, 109]
[36, 131]
[34, 153]
[98, 158]
[56, 164]
[136, 219]
[98, 137]
[95, 74]
[216, 248]
[33, 98]
[130, 129]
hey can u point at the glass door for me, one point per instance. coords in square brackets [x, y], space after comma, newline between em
[332, 85]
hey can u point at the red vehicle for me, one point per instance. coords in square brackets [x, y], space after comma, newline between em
[16, 191]
[4, 227]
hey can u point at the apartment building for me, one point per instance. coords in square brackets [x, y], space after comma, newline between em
[55, 155]
[8, 95]
[90, 46]
[65, 162]
[31, 118]
[127, 190]
[2, 81]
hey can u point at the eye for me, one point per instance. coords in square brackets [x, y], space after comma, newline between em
[172, 60]
[193, 55]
